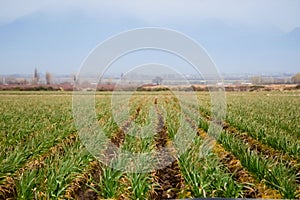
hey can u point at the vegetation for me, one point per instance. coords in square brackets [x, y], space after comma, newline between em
[48, 78]
[256, 155]
[36, 77]
[296, 78]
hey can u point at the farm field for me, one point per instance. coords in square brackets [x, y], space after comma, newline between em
[256, 155]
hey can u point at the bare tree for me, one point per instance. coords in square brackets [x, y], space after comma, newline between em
[256, 80]
[36, 76]
[296, 78]
[75, 79]
[157, 80]
[48, 78]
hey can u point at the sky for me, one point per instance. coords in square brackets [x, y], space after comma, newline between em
[240, 36]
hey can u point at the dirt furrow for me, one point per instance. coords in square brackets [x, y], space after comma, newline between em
[79, 188]
[119, 137]
[260, 148]
[252, 189]
[169, 178]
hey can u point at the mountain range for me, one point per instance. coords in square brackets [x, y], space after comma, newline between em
[59, 44]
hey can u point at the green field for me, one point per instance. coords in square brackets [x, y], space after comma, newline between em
[257, 154]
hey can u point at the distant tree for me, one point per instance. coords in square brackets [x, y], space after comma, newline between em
[109, 81]
[256, 80]
[75, 79]
[296, 78]
[48, 78]
[237, 82]
[122, 77]
[36, 76]
[157, 80]
[3, 80]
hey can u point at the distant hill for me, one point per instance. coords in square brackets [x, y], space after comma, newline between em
[60, 45]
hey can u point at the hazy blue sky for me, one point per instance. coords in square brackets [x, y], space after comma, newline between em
[241, 36]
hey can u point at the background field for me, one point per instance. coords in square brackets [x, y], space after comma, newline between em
[257, 154]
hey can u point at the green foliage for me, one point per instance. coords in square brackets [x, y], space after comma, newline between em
[206, 176]
[33, 123]
[140, 185]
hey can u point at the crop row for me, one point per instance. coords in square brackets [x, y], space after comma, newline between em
[263, 165]
[52, 162]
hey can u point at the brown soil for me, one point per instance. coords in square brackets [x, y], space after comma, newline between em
[8, 190]
[78, 189]
[169, 178]
[119, 137]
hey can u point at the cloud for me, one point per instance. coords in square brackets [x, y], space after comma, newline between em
[281, 13]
